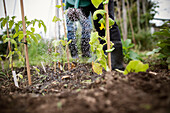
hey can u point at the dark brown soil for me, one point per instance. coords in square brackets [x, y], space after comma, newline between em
[82, 91]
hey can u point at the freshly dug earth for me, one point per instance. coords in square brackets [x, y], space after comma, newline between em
[82, 91]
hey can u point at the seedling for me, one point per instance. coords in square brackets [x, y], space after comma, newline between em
[135, 66]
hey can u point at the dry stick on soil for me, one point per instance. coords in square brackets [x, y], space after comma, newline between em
[108, 35]
[9, 43]
[130, 21]
[65, 35]
[26, 48]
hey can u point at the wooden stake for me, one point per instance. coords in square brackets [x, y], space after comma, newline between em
[108, 35]
[26, 48]
[9, 43]
[55, 37]
[65, 35]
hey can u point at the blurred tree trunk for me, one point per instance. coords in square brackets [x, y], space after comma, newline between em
[119, 17]
[144, 12]
[130, 22]
[138, 15]
[124, 20]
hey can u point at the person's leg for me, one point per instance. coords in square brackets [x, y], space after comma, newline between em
[117, 53]
[71, 35]
[86, 31]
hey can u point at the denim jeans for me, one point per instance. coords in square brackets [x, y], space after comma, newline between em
[72, 28]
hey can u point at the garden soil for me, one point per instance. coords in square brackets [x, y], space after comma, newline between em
[80, 90]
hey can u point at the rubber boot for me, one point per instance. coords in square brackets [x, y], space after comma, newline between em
[117, 56]
[73, 48]
[85, 47]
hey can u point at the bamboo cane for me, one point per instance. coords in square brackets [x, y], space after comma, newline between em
[55, 37]
[108, 34]
[26, 48]
[9, 43]
[65, 35]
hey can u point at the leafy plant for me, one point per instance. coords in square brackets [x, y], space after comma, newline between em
[135, 66]
[128, 53]
[97, 48]
[62, 44]
[30, 34]
[163, 45]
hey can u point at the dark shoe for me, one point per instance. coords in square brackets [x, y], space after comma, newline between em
[117, 56]
[73, 48]
[85, 47]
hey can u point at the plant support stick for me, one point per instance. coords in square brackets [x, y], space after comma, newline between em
[107, 34]
[26, 48]
[9, 43]
[65, 35]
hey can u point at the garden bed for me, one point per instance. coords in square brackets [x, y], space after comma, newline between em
[80, 90]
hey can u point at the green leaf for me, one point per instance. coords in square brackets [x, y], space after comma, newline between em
[13, 17]
[13, 42]
[133, 55]
[168, 60]
[109, 50]
[55, 54]
[4, 37]
[58, 6]
[136, 66]
[55, 19]
[16, 27]
[94, 42]
[100, 11]
[39, 24]
[111, 22]
[4, 22]
[97, 68]
[34, 38]
[96, 3]
[45, 28]
[6, 40]
[55, 43]
[11, 23]
[21, 36]
[32, 29]
[1, 19]
[20, 76]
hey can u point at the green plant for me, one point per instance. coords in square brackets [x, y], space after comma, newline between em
[128, 53]
[30, 34]
[62, 44]
[97, 48]
[135, 66]
[163, 45]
